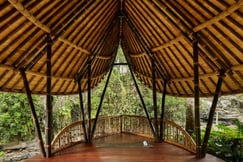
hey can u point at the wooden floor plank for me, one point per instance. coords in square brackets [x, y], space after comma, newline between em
[124, 148]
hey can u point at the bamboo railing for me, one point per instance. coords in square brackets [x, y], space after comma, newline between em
[138, 125]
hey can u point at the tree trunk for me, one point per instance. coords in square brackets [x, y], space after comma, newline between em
[189, 115]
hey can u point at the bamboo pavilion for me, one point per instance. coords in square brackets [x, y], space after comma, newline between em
[185, 48]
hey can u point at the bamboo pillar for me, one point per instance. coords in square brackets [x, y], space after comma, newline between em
[100, 104]
[33, 113]
[139, 94]
[154, 98]
[196, 95]
[82, 110]
[162, 112]
[48, 127]
[211, 113]
[89, 101]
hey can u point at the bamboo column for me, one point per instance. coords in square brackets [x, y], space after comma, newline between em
[48, 127]
[100, 104]
[155, 98]
[33, 113]
[162, 112]
[139, 93]
[89, 100]
[82, 110]
[211, 113]
[196, 94]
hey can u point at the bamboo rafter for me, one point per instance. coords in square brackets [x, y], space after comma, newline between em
[220, 16]
[29, 15]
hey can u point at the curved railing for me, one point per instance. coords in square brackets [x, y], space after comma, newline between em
[138, 125]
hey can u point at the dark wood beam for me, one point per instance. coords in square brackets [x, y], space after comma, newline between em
[138, 90]
[102, 98]
[82, 110]
[33, 113]
[153, 71]
[196, 95]
[48, 127]
[95, 54]
[122, 63]
[57, 34]
[162, 112]
[89, 99]
[212, 111]
[148, 52]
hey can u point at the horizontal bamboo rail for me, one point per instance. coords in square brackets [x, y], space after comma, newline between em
[138, 125]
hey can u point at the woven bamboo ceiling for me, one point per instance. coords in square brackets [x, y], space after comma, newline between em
[85, 31]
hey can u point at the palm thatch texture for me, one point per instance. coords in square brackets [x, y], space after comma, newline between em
[86, 29]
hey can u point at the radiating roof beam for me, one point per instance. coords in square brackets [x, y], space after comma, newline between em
[28, 15]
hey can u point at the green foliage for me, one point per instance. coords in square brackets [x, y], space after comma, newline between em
[2, 154]
[224, 142]
[175, 109]
[15, 117]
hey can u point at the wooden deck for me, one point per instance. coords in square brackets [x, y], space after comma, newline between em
[124, 148]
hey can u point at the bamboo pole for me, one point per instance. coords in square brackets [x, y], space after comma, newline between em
[33, 113]
[89, 100]
[139, 93]
[82, 110]
[104, 39]
[145, 47]
[211, 113]
[155, 99]
[48, 127]
[100, 104]
[162, 112]
[196, 94]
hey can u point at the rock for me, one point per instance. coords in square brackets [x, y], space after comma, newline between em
[229, 109]
[20, 152]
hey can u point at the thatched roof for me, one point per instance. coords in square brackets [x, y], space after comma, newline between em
[83, 30]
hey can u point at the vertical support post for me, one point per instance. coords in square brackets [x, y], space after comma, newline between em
[140, 95]
[154, 98]
[196, 95]
[163, 111]
[82, 110]
[33, 113]
[211, 113]
[89, 101]
[48, 127]
[101, 101]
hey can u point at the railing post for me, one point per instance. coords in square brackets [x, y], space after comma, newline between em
[121, 123]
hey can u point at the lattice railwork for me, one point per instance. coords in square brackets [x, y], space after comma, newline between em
[176, 135]
[108, 126]
[69, 135]
[137, 125]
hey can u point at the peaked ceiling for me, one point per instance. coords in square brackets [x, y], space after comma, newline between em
[91, 30]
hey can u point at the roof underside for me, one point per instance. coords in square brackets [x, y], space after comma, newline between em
[83, 30]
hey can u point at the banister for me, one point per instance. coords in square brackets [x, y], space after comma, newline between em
[107, 125]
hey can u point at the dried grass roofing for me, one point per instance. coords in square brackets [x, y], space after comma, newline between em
[83, 29]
